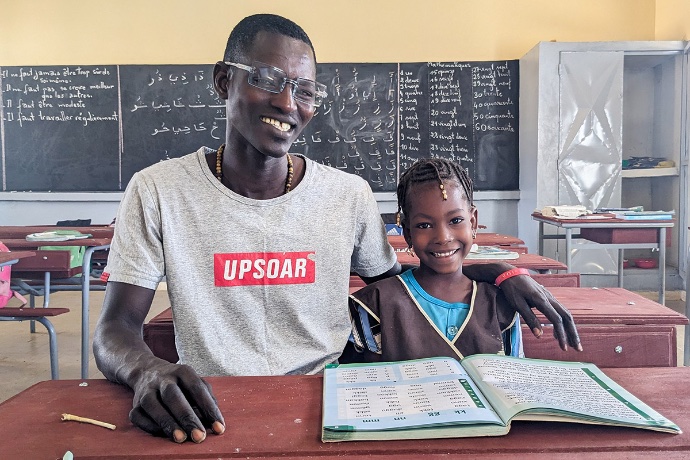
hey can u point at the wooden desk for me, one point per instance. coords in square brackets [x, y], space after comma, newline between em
[534, 262]
[613, 332]
[159, 335]
[618, 328]
[271, 417]
[11, 258]
[612, 233]
[92, 245]
[22, 314]
[20, 231]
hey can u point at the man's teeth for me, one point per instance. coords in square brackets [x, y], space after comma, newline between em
[276, 124]
[444, 254]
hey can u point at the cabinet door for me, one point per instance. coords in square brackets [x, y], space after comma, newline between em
[590, 141]
[591, 128]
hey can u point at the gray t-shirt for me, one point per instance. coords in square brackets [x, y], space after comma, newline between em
[257, 287]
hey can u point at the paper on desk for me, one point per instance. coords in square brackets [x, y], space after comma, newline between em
[58, 235]
[491, 252]
[562, 211]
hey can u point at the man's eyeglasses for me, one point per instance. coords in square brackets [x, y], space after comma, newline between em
[273, 80]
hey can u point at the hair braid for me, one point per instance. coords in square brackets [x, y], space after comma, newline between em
[432, 169]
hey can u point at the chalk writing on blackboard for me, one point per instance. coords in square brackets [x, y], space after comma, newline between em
[495, 110]
[58, 121]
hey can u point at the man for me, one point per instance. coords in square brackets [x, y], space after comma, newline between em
[257, 276]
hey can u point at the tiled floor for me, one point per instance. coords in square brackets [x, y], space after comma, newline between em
[24, 358]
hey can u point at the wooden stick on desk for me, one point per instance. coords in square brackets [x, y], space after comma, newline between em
[76, 418]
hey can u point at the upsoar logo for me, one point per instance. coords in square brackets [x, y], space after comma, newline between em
[255, 268]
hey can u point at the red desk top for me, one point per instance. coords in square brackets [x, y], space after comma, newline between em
[270, 417]
[15, 255]
[21, 243]
[20, 231]
[613, 306]
[529, 261]
[595, 220]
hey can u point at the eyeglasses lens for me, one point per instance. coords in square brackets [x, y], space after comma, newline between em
[274, 80]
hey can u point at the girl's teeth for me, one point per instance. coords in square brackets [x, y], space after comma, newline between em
[276, 124]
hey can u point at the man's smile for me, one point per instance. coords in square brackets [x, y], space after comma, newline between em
[279, 125]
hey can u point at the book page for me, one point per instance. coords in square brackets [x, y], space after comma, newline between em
[398, 395]
[558, 388]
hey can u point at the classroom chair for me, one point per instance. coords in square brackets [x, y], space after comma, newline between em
[41, 315]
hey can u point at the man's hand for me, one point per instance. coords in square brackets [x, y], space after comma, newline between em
[524, 293]
[172, 400]
[169, 399]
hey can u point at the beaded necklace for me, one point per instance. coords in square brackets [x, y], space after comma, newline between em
[219, 168]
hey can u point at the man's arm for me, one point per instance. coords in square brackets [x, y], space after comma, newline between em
[524, 293]
[169, 399]
[394, 270]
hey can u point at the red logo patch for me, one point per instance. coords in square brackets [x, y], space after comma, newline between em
[256, 268]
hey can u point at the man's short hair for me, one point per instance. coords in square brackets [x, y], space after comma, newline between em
[243, 35]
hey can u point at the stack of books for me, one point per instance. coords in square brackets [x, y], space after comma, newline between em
[645, 215]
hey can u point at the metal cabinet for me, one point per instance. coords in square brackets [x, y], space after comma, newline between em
[585, 107]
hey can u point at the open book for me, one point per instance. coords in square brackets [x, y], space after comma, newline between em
[442, 398]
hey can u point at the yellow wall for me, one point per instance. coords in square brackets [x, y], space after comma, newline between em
[672, 20]
[49, 32]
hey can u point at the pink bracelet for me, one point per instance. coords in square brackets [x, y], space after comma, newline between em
[509, 274]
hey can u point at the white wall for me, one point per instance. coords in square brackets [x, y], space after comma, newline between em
[25, 208]
[497, 210]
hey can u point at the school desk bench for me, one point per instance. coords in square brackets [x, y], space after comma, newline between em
[617, 328]
[33, 314]
[54, 268]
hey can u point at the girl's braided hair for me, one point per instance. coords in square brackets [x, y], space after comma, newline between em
[432, 169]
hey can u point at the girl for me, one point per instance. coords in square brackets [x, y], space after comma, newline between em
[433, 310]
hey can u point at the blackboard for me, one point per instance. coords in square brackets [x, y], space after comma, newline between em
[90, 128]
[60, 128]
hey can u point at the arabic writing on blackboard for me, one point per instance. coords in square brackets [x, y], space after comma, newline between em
[90, 128]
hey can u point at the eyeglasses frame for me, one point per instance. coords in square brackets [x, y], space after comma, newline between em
[320, 87]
